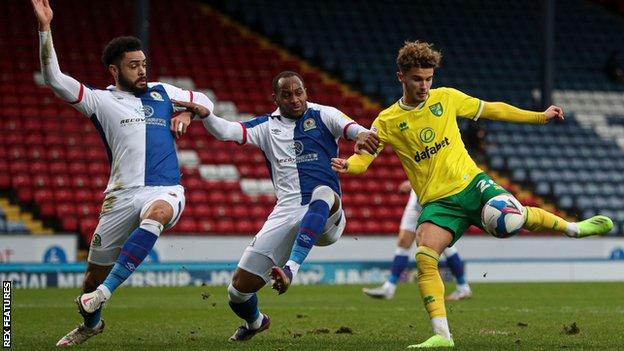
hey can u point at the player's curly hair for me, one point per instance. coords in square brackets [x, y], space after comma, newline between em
[114, 50]
[418, 54]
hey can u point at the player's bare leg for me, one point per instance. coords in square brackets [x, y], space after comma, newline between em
[93, 324]
[244, 302]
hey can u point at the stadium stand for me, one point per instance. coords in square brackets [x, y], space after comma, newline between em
[352, 40]
[57, 165]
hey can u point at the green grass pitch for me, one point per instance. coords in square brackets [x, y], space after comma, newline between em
[515, 316]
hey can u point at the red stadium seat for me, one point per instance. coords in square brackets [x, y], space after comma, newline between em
[206, 225]
[87, 210]
[77, 168]
[38, 168]
[61, 181]
[18, 167]
[55, 153]
[200, 210]
[87, 228]
[79, 181]
[57, 167]
[187, 225]
[84, 195]
[69, 224]
[64, 210]
[225, 226]
[63, 195]
[244, 227]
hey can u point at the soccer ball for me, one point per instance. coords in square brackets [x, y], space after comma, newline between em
[503, 216]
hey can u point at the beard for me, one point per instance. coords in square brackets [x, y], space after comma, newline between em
[130, 86]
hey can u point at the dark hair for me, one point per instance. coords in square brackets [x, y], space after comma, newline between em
[115, 49]
[284, 74]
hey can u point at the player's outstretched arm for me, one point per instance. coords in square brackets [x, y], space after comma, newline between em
[501, 111]
[44, 14]
[64, 86]
[217, 126]
[356, 164]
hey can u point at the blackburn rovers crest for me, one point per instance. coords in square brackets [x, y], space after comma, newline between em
[308, 124]
[156, 96]
[436, 109]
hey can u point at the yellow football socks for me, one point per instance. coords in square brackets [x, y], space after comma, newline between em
[430, 282]
[539, 220]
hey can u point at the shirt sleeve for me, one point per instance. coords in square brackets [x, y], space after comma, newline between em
[255, 131]
[466, 106]
[359, 163]
[188, 96]
[224, 130]
[340, 124]
[64, 86]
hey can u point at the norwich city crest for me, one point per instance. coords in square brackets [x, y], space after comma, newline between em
[436, 109]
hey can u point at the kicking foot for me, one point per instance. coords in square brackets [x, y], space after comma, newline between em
[459, 294]
[243, 333]
[91, 302]
[380, 292]
[434, 341]
[79, 335]
[596, 225]
[281, 279]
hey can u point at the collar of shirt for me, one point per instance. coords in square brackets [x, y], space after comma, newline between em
[409, 107]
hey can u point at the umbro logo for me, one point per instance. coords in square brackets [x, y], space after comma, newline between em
[276, 131]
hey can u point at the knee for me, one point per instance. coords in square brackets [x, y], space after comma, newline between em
[406, 239]
[160, 211]
[236, 296]
[324, 193]
[426, 260]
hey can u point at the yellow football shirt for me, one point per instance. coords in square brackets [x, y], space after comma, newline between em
[428, 142]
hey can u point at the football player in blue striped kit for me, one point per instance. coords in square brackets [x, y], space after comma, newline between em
[298, 139]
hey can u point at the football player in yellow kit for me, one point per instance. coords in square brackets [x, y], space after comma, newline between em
[422, 129]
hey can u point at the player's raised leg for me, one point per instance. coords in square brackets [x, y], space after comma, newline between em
[312, 226]
[456, 265]
[251, 275]
[432, 240]
[133, 252]
[539, 220]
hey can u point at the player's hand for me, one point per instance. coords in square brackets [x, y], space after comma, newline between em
[44, 14]
[405, 186]
[180, 123]
[554, 112]
[366, 141]
[194, 108]
[339, 165]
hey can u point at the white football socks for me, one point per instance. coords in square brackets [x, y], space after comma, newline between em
[572, 229]
[257, 323]
[440, 327]
[390, 287]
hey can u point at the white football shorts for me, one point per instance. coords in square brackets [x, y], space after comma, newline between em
[277, 237]
[121, 215]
